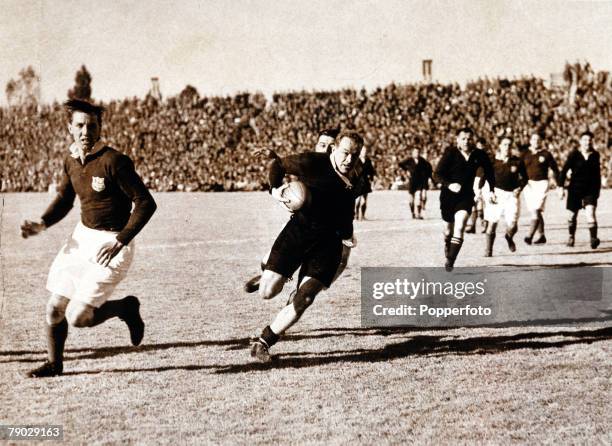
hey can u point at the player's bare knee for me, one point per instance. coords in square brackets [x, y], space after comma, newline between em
[80, 315]
[302, 301]
[270, 287]
[306, 294]
[56, 309]
[590, 214]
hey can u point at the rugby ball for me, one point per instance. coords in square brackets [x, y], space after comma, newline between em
[297, 194]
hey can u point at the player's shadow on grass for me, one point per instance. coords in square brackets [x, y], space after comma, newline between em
[428, 345]
[104, 352]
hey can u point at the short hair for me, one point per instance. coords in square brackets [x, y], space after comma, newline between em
[587, 133]
[332, 132]
[482, 141]
[465, 130]
[506, 137]
[353, 136]
[72, 105]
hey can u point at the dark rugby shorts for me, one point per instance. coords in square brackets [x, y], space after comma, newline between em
[451, 203]
[577, 200]
[318, 252]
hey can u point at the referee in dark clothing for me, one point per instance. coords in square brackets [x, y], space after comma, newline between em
[98, 254]
[584, 186]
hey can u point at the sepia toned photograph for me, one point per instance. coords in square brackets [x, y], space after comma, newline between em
[306, 222]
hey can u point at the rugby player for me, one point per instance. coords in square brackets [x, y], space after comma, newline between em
[537, 161]
[419, 173]
[584, 186]
[313, 238]
[325, 144]
[363, 183]
[480, 190]
[98, 254]
[510, 179]
[456, 171]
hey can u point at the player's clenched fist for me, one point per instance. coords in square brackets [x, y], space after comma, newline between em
[29, 228]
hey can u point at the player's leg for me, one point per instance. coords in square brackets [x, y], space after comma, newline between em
[286, 318]
[411, 202]
[448, 235]
[423, 199]
[573, 206]
[346, 252]
[418, 200]
[540, 228]
[490, 238]
[252, 284]
[590, 210]
[460, 221]
[511, 214]
[271, 284]
[363, 205]
[572, 222]
[57, 332]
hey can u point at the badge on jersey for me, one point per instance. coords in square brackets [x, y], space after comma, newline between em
[541, 159]
[513, 169]
[97, 184]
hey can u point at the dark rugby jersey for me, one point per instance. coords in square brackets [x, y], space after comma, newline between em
[538, 163]
[586, 173]
[454, 168]
[362, 177]
[106, 185]
[510, 174]
[332, 201]
[420, 172]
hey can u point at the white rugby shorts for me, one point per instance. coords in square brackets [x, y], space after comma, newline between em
[478, 192]
[75, 274]
[535, 194]
[506, 205]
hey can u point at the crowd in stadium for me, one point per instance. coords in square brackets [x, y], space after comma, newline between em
[189, 143]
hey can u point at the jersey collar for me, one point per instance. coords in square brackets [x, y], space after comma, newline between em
[75, 151]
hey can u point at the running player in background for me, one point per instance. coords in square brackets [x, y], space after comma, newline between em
[363, 183]
[538, 162]
[481, 189]
[510, 179]
[419, 173]
[456, 171]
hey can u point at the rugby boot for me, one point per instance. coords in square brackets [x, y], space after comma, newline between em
[540, 241]
[253, 284]
[46, 370]
[260, 351]
[133, 319]
[594, 243]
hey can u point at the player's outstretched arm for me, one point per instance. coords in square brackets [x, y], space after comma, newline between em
[266, 153]
[30, 228]
[61, 204]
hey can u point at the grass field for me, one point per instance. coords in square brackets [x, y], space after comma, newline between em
[333, 382]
